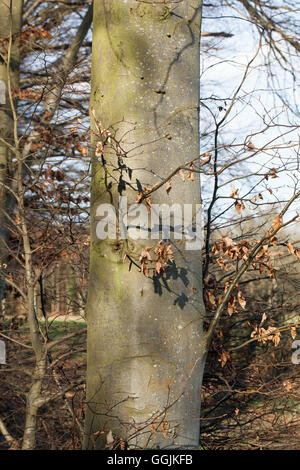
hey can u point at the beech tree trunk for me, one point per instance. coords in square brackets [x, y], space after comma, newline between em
[146, 345]
[10, 23]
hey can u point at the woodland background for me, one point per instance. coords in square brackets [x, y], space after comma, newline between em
[249, 121]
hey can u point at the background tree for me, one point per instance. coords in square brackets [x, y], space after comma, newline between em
[10, 26]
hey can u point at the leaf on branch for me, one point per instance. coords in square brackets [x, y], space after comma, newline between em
[242, 300]
[169, 186]
[297, 253]
[229, 243]
[263, 319]
[222, 263]
[99, 149]
[163, 255]
[212, 299]
[231, 307]
[84, 150]
[164, 429]
[190, 175]
[146, 253]
[274, 241]
[277, 222]
[234, 192]
[170, 255]
[227, 285]
[293, 332]
[269, 334]
[153, 429]
[273, 173]
[159, 268]
[139, 197]
[238, 207]
[224, 357]
[144, 259]
[290, 248]
[215, 248]
[207, 160]
[251, 146]
[182, 175]
[263, 252]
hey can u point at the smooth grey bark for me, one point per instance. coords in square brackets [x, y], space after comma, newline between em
[146, 345]
[10, 23]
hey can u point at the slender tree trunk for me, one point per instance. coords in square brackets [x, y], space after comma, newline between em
[10, 23]
[13, 9]
[146, 345]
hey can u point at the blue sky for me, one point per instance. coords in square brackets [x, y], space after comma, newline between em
[258, 104]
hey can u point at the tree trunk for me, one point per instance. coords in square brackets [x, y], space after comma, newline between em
[146, 345]
[10, 22]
